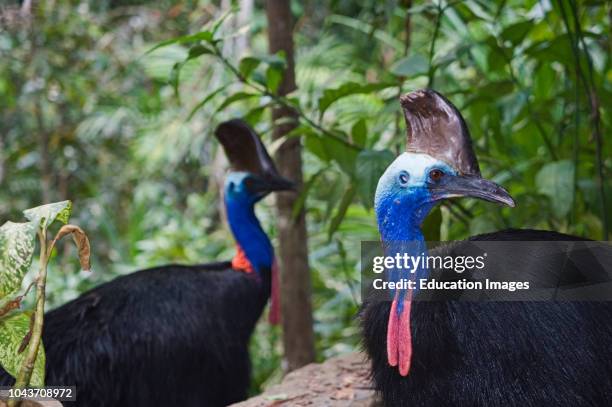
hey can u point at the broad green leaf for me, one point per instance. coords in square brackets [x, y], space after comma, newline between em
[345, 202]
[431, 225]
[556, 181]
[47, 214]
[346, 89]
[206, 36]
[12, 331]
[198, 50]
[341, 152]
[274, 77]
[515, 33]
[359, 132]
[329, 149]
[411, 66]
[16, 250]
[235, 98]
[314, 143]
[370, 166]
[248, 65]
[253, 117]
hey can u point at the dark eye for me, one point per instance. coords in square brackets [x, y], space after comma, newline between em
[249, 182]
[436, 174]
[403, 178]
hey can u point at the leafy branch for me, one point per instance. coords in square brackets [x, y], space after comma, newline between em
[281, 100]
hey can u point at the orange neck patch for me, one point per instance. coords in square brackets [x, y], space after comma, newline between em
[240, 261]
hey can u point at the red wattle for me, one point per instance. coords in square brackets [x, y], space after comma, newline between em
[392, 334]
[399, 336]
[274, 314]
[405, 339]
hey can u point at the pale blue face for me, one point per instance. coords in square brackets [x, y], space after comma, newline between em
[403, 193]
[237, 189]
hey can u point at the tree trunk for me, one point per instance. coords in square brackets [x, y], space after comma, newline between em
[298, 336]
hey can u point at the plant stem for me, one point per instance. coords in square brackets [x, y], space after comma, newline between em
[27, 366]
[279, 99]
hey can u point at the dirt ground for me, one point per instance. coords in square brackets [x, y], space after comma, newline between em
[338, 382]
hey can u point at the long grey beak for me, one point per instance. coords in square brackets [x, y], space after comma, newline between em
[264, 185]
[452, 186]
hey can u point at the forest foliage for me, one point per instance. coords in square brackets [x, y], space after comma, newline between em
[112, 104]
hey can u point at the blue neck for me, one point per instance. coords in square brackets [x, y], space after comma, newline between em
[400, 220]
[399, 223]
[249, 235]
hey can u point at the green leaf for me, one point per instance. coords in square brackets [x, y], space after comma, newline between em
[332, 149]
[198, 50]
[359, 132]
[274, 77]
[345, 202]
[254, 115]
[411, 66]
[235, 98]
[47, 214]
[248, 65]
[341, 152]
[370, 166]
[516, 33]
[206, 36]
[431, 225]
[206, 100]
[16, 251]
[12, 331]
[346, 89]
[556, 181]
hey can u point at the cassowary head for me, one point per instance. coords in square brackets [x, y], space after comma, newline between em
[439, 163]
[253, 174]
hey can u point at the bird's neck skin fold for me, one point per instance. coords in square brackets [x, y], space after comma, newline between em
[399, 223]
[250, 237]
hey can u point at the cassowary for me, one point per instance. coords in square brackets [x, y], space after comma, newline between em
[462, 353]
[175, 335]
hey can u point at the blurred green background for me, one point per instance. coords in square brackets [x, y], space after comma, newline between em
[88, 114]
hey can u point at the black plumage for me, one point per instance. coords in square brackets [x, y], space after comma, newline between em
[172, 335]
[532, 353]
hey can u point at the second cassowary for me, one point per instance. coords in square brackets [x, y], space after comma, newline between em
[175, 335]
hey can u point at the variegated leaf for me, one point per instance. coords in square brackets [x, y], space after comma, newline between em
[16, 250]
[47, 214]
[12, 331]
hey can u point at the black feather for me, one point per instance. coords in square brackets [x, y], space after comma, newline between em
[168, 336]
[497, 353]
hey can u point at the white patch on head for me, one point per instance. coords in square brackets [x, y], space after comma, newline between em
[416, 165]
